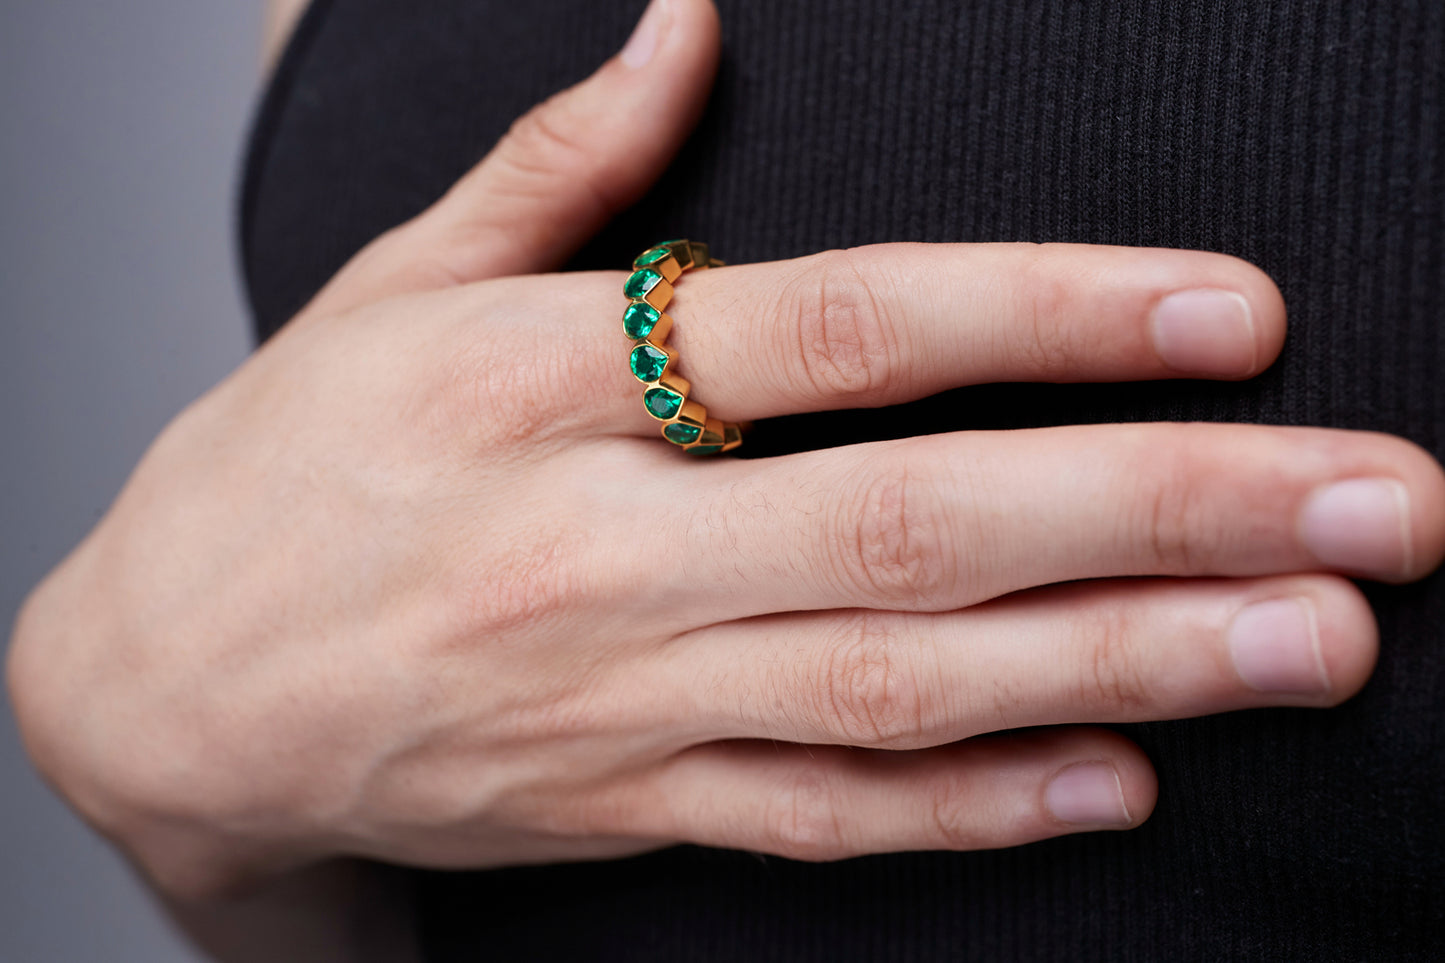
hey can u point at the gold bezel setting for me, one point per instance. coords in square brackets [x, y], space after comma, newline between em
[649, 289]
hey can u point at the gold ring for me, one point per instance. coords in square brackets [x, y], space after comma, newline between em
[649, 288]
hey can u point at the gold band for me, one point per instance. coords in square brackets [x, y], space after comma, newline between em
[649, 289]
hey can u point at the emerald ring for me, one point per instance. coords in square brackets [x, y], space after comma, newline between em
[665, 395]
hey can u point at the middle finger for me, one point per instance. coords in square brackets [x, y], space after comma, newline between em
[944, 521]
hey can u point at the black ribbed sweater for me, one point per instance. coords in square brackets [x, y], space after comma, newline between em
[1303, 135]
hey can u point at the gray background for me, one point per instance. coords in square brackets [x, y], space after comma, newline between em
[121, 127]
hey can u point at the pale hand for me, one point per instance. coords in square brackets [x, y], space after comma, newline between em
[420, 582]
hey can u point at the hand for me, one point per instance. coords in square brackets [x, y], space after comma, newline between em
[420, 582]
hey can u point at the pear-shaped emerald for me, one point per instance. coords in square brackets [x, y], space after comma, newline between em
[680, 434]
[639, 319]
[648, 363]
[662, 403]
[651, 256]
[640, 282]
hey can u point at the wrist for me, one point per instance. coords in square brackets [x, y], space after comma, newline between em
[72, 697]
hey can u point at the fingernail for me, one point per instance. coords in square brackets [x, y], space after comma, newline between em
[1207, 331]
[1362, 524]
[643, 42]
[1088, 793]
[1276, 648]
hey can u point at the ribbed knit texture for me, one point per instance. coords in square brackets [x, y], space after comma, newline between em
[1303, 136]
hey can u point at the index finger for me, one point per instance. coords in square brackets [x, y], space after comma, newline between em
[888, 323]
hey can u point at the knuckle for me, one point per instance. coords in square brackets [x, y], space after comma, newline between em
[1008, 699]
[481, 400]
[894, 538]
[498, 406]
[519, 587]
[954, 823]
[1113, 675]
[804, 821]
[1170, 517]
[865, 693]
[546, 143]
[547, 159]
[1046, 298]
[846, 343]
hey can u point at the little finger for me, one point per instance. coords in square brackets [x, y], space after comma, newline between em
[827, 803]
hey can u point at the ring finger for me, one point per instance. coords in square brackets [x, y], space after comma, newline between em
[1119, 651]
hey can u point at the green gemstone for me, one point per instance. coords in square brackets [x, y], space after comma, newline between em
[639, 319]
[705, 450]
[651, 256]
[661, 403]
[648, 363]
[680, 434]
[640, 282]
[676, 240]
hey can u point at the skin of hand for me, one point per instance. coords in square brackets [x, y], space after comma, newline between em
[421, 583]
[280, 21]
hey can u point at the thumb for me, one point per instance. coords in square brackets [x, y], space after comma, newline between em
[560, 173]
[572, 162]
